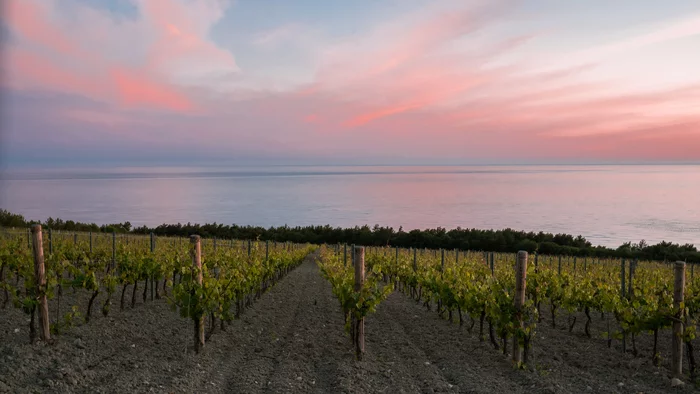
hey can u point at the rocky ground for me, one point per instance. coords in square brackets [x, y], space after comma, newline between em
[292, 341]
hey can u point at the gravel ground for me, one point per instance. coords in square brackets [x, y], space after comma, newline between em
[292, 341]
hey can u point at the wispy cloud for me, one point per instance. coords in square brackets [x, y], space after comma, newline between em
[449, 80]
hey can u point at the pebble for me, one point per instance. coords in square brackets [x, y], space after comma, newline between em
[589, 388]
[675, 382]
[79, 344]
[427, 363]
[299, 378]
[620, 384]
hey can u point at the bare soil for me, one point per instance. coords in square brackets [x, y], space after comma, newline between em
[292, 341]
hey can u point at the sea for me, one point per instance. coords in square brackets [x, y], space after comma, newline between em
[607, 204]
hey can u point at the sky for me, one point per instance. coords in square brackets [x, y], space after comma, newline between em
[93, 82]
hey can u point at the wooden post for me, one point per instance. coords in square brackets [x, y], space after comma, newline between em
[359, 262]
[520, 274]
[214, 244]
[492, 263]
[630, 289]
[249, 248]
[442, 262]
[456, 257]
[50, 242]
[415, 260]
[153, 243]
[114, 248]
[195, 240]
[574, 267]
[559, 269]
[267, 250]
[677, 340]
[536, 257]
[345, 255]
[90, 241]
[352, 253]
[40, 275]
[622, 279]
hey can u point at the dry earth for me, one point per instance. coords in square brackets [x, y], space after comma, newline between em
[292, 341]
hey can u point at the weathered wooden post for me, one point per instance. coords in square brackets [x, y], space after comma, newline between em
[196, 242]
[352, 253]
[536, 262]
[114, 249]
[677, 340]
[249, 248]
[345, 255]
[415, 260]
[692, 271]
[622, 296]
[267, 250]
[51, 242]
[622, 279]
[153, 243]
[40, 275]
[492, 264]
[442, 262]
[520, 274]
[90, 241]
[559, 269]
[359, 262]
[630, 281]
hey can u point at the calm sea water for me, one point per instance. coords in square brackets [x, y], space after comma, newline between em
[608, 205]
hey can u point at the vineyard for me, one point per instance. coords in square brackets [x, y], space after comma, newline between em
[632, 298]
[342, 319]
[232, 276]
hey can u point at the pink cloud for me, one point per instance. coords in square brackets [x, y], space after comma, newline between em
[135, 90]
[168, 48]
[180, 47]
[30, 19]
[31, 71]
[311, 118]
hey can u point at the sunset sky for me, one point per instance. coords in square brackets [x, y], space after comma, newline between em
[392, 81]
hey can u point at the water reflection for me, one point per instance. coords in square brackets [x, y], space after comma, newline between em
[607, 204]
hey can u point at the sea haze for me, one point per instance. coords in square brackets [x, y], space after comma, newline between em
[608, 204]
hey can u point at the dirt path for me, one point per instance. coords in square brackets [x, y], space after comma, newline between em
[292, 341]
